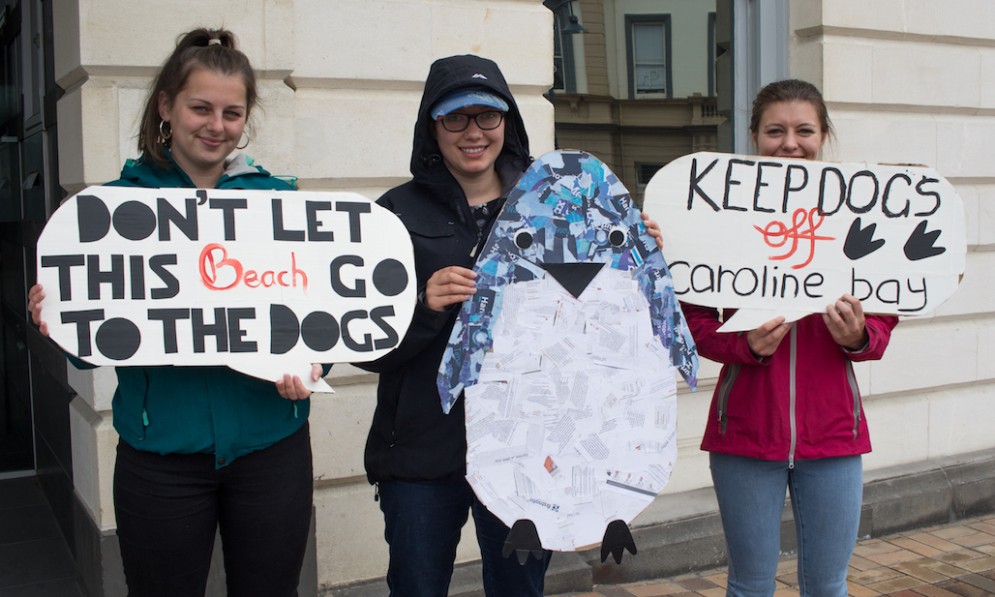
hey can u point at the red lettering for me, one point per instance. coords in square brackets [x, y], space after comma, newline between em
[210, 266]
[216, 268]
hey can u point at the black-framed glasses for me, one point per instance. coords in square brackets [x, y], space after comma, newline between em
[486, 121]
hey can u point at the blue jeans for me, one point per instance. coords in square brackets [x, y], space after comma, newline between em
[826, 496]
[422, 528]
[169, 508]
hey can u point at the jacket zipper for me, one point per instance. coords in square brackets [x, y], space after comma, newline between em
[476, 245]
[792, 397]
[480, 233]
[854, 390]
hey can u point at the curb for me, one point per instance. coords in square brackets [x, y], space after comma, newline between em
[690, 538]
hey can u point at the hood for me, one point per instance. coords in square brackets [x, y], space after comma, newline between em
[455, 72]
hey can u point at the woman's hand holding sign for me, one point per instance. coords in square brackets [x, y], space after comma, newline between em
[845, 320]
[292, 388]
[35, 296]
[653, 228]
[449, 286]
[765, 339]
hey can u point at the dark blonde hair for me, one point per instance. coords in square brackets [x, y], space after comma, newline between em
[211, 49]
[790, 90]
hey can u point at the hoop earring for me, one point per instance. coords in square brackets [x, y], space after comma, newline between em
[248, 140]
[164, 134]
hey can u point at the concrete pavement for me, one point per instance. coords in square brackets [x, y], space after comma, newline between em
[951, 560]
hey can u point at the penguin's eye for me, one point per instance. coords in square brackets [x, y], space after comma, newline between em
[617, 236]
[523, 239]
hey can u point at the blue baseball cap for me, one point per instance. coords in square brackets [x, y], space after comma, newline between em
[463, 98]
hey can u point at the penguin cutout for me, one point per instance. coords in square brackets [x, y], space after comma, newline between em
[567, 355]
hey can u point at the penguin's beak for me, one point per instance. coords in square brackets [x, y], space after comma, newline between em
[574, 277]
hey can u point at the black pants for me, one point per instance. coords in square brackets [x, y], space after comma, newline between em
[169, 507]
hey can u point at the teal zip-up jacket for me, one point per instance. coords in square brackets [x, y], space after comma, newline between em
[189, 410]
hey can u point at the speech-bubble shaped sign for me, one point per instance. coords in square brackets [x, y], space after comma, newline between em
[265, 282]
[777, 236]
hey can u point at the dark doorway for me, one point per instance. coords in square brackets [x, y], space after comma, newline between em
[16, 451]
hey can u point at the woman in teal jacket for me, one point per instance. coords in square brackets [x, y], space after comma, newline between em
[203, 448]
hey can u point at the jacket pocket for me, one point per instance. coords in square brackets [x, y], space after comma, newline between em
[722, 396]
[129, 403]
[438, 243]
[426, 228]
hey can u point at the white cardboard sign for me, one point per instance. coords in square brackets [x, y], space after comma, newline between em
[265, 282]
[778, 236]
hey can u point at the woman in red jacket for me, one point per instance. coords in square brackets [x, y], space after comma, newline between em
[786, 412]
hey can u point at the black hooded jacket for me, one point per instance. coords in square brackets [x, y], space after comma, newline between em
[411, 439]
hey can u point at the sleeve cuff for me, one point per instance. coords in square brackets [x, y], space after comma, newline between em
[864, 347]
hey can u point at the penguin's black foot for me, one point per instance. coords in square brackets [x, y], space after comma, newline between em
[522, 541]
[617, 538]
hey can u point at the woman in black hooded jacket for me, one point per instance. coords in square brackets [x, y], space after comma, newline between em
[470, 147]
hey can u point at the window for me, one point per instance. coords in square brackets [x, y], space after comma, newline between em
[564, 23]
[649, 58]
[558, 69]
[649, 55]
[644, 172]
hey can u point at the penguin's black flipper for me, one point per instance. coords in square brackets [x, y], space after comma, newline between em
[523, 540]
[617, 538]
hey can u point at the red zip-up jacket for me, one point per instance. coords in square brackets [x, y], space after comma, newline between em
[802, 402]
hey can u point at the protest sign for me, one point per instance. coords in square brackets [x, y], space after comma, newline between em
[569, 353]
[265, 282]
[778, 236]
